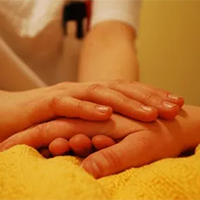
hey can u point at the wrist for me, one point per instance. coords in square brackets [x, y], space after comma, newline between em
[190, 118]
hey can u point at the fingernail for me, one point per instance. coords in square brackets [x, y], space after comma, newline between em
[173, 97]
[169, 105]
[102, 109]
[147, 108]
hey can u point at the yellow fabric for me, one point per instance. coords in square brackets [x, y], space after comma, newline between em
[24, 174]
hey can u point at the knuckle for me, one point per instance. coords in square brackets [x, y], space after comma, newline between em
[161, 91]
[80, 105]
[111, 158]
[149, 96]
[116, 83]
[55, 104]
[41, 129]
[49, 131]
[122, 86]
[55, 101]
[124, 101]
[93, 88]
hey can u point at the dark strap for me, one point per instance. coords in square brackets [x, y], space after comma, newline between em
[75, 11]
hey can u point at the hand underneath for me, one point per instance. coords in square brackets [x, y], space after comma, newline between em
[89, 101]
[137, 143]
[79, 145]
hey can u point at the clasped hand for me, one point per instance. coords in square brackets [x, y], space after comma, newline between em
[79, 117]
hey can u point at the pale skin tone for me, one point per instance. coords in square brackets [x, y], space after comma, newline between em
[126, 98]
[136, 144]
[108, 53]
[74, 100]
[124, 65]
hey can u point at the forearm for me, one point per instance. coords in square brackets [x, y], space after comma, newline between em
[109, 53]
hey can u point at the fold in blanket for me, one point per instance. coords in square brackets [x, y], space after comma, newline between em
[25, 174]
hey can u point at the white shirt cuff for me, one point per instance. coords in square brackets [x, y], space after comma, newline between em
[127, 11]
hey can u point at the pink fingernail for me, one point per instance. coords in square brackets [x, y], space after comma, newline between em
[173, 97]
[102, 109]
[146, 108]
[169, 105]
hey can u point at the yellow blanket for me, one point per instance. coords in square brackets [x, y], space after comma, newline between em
[24, 174]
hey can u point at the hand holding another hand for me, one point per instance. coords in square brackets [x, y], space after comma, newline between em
[89, 101]
[135, 143]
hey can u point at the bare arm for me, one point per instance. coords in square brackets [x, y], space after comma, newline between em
[109, 53]
[109, 50]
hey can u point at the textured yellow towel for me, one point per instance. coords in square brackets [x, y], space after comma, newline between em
[24, 174]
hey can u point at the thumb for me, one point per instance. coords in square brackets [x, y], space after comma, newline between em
[135, 150]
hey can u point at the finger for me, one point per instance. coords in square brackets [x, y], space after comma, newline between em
[170, 97]
[43, 134]
[102, 142]
[165, 95]
[74, 108]
[118, 84]
[119, 102]
[135, 150]
[47, 104]
[59, 146]
[45, 153]
[168, 105]
[81, 145]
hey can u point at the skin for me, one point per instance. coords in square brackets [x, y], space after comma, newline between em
[43, 107]
[82, 100]
[138, 93]
[108, 53]
[136, 143]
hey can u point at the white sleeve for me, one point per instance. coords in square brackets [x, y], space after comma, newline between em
[127, 11]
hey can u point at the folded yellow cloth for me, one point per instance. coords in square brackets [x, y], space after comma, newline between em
[25, 174]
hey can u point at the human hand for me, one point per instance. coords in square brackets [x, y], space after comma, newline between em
[137, 143]
[167, 104]
[21, 110]
[145, 143]
[82, 146]
[79, 145]
[151, 142]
